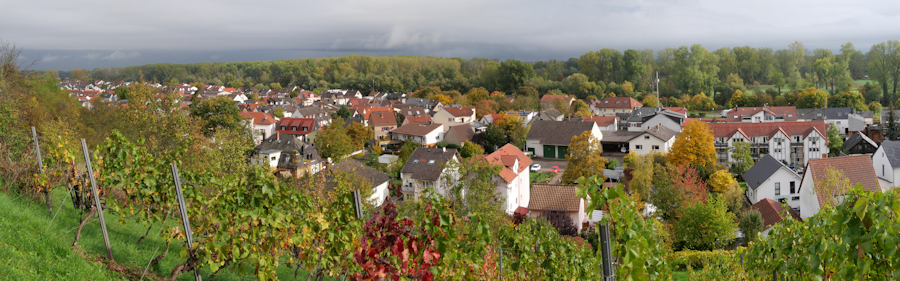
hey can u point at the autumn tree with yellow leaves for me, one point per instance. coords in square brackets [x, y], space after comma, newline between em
[694, 145]
[584, 158]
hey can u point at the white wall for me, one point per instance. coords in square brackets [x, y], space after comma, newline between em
[785, 153]
[379, 192]
[661, 120]
[767, 188]
[647, 144]
[809, 203]
[882, 166]
[808, 145]
[535, 144]
[443, 117]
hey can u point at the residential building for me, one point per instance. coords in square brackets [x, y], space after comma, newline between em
[655, 140]
[762, 114]
[261, 124]
[772, 179]
[513, 181]
[551, 115]
[452, 116]
[605, 123]
[427, 168]
[551, 139]
[427, 135]
[353, 171]
[857, 169]
[288, 156]
[886, 162]
[298, 127]
[635, 121]
[609, 106]
[547, 101]
[556, 198]
[459, 134]
[792, 143]
[664, 118]
[429, 105]
[618, 141]
[382, 123]
[771, 212]
[837, 116]
[859, 143]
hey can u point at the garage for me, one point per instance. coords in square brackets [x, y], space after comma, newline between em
[549, 151]
[562, 151]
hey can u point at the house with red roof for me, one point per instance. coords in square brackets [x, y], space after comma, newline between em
[382, 123]
[792, 143]
[762, 114]
[299, 127]
[605, 123]
[261, 124]
[452, 116]
[513, 181]
[771, 212]
[612, 105]
[856, 169]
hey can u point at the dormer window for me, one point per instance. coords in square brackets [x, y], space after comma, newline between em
[293, 128]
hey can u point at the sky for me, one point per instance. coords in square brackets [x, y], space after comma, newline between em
[88, 34]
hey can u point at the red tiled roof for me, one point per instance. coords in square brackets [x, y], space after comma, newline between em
[294, 126]
[461, 111]
[765, 129]
[417, 129]
[857, 169]
[788, 112]
[771, 212]
[259, 118]
[507, 156]
[382, 118]
[554, 197]
[601, 121]
[677, 109]
[424, 118]
[619, 102]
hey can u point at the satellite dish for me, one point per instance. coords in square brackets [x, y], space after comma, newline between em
[624, 149]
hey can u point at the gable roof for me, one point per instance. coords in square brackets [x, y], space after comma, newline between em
[464, 132]
[601, 121]
[859, 137]
[552, 113]
[789, 113]
[639, 113]
[767, 129]
[259, 118]
[771, 212]
[417, 129]
[423, 119]
[661, 132]
[382, 118]
[619, 102]
[300, 123]
[460, 111]
[857, 169]
[355, 167]
[554, 197]
[892, 152]
[557, 133]
[506, 156]
[427, 163]
[762, 170]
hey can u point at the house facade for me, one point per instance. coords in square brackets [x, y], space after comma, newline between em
[298, 127]
[365, 176]
[427, 135]
[551, 139]
[513, 181]
[655, 140]
[427, 169]
[771, 179]
[609, 106]
[453, 116]
[382, 123]
[459, 134]
[261, 124]
[793, 143]
[857, 169]
[886, 162]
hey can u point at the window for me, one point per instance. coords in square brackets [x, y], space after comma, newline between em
[646, 137]
[793, 190]
[655, 147]
[777, 188]
[795, 198]
[638, 147]
[778, 150]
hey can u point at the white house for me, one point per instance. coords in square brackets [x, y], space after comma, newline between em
[366, 176]
[261, 124]
[425, 134]
[771, 179]
[551, 139]
[857, 169]
[452, 116]
[657, 139]
[792, 143]
[426, 169]
[665, 118]
[513, 181]
[886, 162]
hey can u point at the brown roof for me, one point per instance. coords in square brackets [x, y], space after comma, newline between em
[557, 132]
[618, 102]
[602, 121]
[382, 118]
[771, 212]
[507, 156]
[424, 118]
[417, 129]
[789, 113]
[352, 166]
[464, 132]
[554, 197]
[857, 169]
[767, 129]
[461, 111]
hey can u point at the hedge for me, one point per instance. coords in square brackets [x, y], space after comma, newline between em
[696, 259]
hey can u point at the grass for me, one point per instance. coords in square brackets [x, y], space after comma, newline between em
[541, 177]
[680, 275]
[29, 250]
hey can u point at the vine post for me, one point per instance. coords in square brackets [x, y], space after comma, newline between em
[184, 216]
[96, 195]
[605, 249]
[37, 150]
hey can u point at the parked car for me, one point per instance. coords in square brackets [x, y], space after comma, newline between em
[536, 168]
[555, 169]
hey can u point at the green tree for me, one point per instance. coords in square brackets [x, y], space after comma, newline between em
[494, 138]
[696, 69]
[751, 224]
[702, 102]
[650, 101]
[891, 131]
[476, 95]
[513, 74]
[641, 172]
[742, 160]
[737, 99]
[470, 149]
[333, 141]
[583, 156]
[278, 112]
[776, 77]
[218, 112]
[343, 112]
[704, 226]
[884, 67]
[633, 65]
[835, 141]
[812, 98]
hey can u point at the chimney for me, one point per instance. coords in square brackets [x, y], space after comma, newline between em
[277, 135]
[657, 128]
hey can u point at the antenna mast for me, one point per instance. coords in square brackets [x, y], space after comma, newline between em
[657, 89]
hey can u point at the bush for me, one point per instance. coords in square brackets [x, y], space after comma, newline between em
[696, 259]
[563, 223]
[723, 267]
[613, 162]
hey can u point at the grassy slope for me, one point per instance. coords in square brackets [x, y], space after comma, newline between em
[27, 251]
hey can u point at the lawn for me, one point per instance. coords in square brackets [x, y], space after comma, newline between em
[541, 177]
[31, 248]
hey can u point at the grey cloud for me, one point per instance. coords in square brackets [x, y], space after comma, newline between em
[118, 55]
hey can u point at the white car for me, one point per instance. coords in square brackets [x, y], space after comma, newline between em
[536, 168]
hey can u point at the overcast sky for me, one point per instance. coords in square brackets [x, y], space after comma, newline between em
[114, 33]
